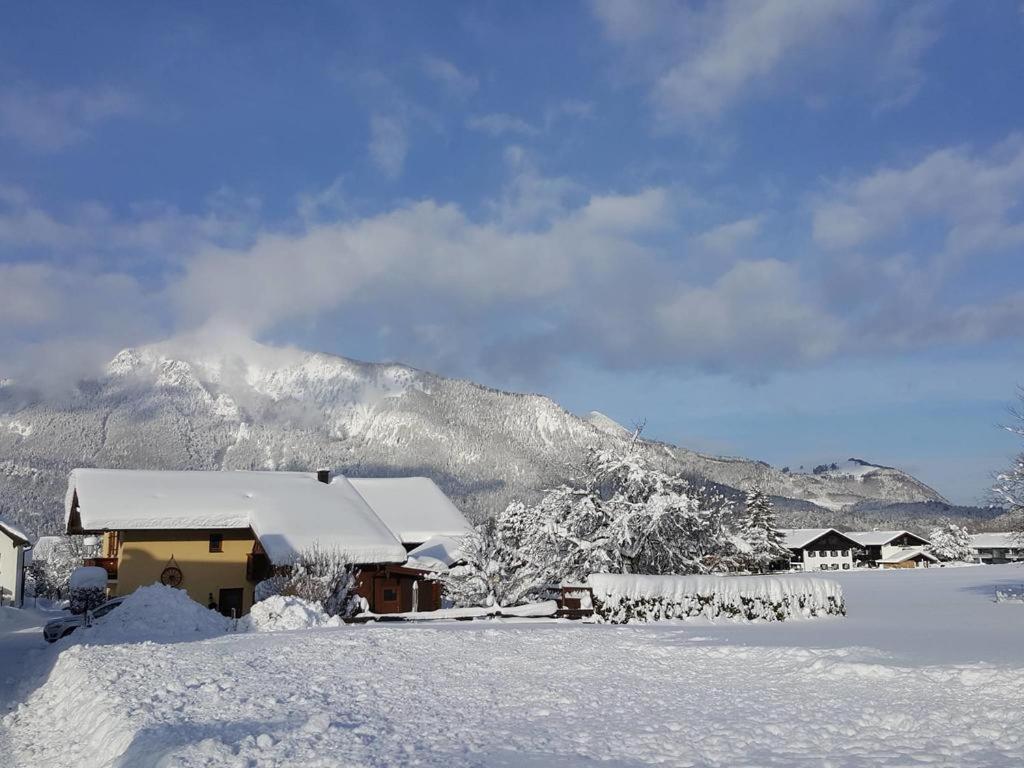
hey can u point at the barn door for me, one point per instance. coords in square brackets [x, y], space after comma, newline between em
[385, 596]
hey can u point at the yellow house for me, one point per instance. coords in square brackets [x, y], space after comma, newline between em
[216, 534]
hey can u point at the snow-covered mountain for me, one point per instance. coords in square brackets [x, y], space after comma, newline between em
[201, 404]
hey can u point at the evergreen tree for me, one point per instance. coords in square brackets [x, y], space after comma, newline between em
[758, 531]
[950, 542]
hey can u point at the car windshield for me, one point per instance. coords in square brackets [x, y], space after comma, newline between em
[103, 610]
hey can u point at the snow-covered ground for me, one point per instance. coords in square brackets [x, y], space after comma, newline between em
[927, 669]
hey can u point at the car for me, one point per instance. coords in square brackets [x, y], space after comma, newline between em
[55, 629]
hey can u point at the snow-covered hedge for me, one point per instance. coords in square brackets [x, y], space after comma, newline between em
[619, 599]
[280, 612]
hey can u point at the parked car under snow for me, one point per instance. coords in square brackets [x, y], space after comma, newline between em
[55, 629]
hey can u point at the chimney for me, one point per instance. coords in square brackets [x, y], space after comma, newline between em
[323, 475]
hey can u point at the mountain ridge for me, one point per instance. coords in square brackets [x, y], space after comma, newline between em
[233, 403]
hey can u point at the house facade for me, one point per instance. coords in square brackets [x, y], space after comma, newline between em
[997, 548]
[217, 534]
[818, 549]
[892, 549]
[13, 546]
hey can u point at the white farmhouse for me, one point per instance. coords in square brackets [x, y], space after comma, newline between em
[13, 544]
[996, 548]
[893, 549]
[818, 549]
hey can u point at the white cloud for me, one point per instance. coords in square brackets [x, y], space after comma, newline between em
[728, 238]
[971, 194]
[583, 281]
[500, 124]
[700, 60]
[759, 312]
[454, 80]
[388, 145]
[50, 120]
[148, 230]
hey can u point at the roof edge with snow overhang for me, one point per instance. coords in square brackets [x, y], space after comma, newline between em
[289, 512]
[906, 554]
[799, 538]
[881, 538]
[414, 508]
[17, 535]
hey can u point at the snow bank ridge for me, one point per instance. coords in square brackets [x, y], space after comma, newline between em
[619, 599]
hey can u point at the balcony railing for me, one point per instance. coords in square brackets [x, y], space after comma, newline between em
[109, 564]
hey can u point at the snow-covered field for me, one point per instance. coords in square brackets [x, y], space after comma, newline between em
[927, 669]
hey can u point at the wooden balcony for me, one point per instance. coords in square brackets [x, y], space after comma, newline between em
[109, 564]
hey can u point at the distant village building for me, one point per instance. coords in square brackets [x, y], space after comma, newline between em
[818, 549]
[997, 548]
[13, 547]
[892, 549]
[217, 534]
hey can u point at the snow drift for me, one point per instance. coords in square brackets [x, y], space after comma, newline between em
[620, 599]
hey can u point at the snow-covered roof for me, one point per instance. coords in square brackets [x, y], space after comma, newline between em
[15, 533]
[878, 538]
[414, 508]
[437, 553]
[996, 541]
[798, 538]
[288, 511]
[906, 554]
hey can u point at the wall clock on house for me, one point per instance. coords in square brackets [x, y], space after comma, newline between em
[171, 575]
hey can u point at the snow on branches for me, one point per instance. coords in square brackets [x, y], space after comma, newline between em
[618, 515]
[757, 529]
[950, 542]
[1009, 485]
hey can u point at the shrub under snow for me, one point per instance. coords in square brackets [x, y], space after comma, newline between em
[88, 588]
[619, 599]
[158, 613]
[280, 612]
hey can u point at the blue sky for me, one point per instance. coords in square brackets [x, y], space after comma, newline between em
[786, 229]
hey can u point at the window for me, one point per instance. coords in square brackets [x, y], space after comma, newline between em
[846, 553]
[835, 553]
[846, 566]
[216, 542]
[835, 566]
[390, 595]
[823, 566]
[811, 553]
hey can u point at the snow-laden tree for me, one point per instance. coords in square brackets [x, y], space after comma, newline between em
[323, 576]
[1009, 487]
[496, 570]
[51, 574]
[950, 542]
[618, 515]
[757, 529]
[641, 520]
[622, 515]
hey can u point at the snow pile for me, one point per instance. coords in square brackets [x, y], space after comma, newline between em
[619, 599]
[281, 612]
[157, 613]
